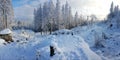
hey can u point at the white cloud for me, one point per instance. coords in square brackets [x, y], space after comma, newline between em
[25, 11]
[97, 7]
[86, 7]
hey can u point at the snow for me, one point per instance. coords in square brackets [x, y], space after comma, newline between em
[2, 42]
[76, 44]
[76, 48]
[89, 34]
[108, 38]
[6, 31]
[98, 40]
[62, 31]
[67, 47]
[112, 46]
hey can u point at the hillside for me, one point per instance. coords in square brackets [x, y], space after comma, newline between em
[79, 43]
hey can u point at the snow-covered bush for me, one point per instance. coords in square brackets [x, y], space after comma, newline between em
[63, 32]
[112, 46]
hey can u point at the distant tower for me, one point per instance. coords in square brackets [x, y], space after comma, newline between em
[6, 14]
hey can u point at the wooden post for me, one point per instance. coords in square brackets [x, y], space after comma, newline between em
[52, 51]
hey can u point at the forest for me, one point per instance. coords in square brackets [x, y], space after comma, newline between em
[56, 33]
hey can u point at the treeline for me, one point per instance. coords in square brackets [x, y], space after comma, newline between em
[51, 17]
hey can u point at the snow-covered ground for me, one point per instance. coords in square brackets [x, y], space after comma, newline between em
[80, 43]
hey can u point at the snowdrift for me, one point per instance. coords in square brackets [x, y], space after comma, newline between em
[67, 47]
[6, 31]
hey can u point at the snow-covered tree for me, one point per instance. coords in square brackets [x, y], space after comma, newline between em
[50, 17]
[112, 8]
[66, 15]
[114, 17]
[93, 19]
[70, 18]
[38, 18]
[63, 15]
[76, 19]
[45, 17]
[58, 14]
[6, 14]
[116, 10]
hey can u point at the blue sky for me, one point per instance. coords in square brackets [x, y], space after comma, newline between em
[25, 8]
[18, 3]
[15, 3]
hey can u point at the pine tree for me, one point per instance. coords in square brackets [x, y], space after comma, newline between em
[111, 15]
[63, 16]
[38, 19]
[116, 10]
[51, 15]
[45, 17]
[70, 18]
[66, 15]
[76, 19]
[112, 8]
[58, 14]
